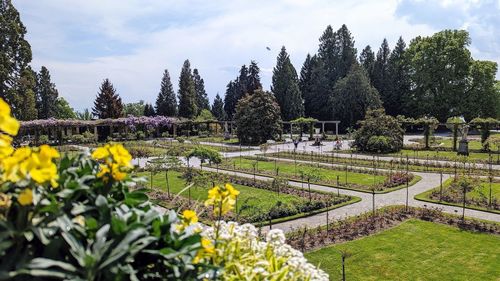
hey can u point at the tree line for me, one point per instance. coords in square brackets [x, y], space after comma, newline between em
[432, 76]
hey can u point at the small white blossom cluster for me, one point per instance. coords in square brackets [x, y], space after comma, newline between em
[244, 254]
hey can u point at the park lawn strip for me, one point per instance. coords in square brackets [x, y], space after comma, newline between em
[288, 168]
[251, 198]
[415, 249]
[484, 188]
[387, 164]
[416, 178]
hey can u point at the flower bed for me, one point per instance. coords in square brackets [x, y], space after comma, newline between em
[306, 202]
[367, 224]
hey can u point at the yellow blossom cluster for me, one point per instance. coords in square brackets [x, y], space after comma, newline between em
[223, 199]
[188, 218]
[24, 163]
[116, 160]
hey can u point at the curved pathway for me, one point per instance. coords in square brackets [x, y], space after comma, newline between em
[398, 197]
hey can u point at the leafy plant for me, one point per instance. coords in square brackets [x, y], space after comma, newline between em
[379, 133]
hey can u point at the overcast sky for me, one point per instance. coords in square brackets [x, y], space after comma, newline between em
[131, 42]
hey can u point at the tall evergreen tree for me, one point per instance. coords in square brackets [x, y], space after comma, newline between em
[253, 80]
[26, 90]
[285, 87]
[353, 95]
[108, 103]
[381, 77]
[367, 60]
[400, 80]
[305, 83]
[231, 99]
[166, 102]
[188, 107]
[201, 94]
[336, 54]
[15, 55]
[218, 108]
[241, 83]
[149, 110]
[46, 95]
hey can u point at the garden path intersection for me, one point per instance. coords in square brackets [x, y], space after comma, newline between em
[428, 181]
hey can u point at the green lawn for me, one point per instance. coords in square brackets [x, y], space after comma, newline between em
[415, 250]
[482, 190]
[443, 155]
[253, 199]
[381, 162]
[288, 169]
[448, 143]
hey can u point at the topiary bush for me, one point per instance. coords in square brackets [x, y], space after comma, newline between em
[378, 133]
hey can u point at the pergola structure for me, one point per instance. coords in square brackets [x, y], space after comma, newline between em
[60, 129]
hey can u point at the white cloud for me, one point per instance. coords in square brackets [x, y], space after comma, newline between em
[215, 35]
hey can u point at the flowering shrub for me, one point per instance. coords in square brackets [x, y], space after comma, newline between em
[244, 257]
[84, 219]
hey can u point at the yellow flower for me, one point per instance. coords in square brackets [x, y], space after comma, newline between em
[207, 250]
[116, 161]
[5, 201]
[207, 245]
[223, 199]
[189, 216]
[6, 148]
[79, 220]
[25, 197]
[8, 124]
[101, 152]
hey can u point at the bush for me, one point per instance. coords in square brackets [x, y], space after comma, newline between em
[378, 133]
[77, 138]
[140, 135]
[43, 139]
[258, 118]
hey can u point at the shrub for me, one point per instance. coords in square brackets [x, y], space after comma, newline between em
[43, 139]
[379, 133]
[140, 135]
[77, 138]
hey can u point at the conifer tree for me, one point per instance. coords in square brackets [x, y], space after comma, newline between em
[26, 90]
[285, 87]
[253, 80]
[46, 95]
[15, 55]
[381, 75]
[230, 99]
[166, 102]
[188, 107]
[242, 83]
[400, 80]
[108, 103]
[201, 95]
[367, 60]
[149, 110]
[218, 108]
[353, 95]
[335, 56]
[305, 83]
